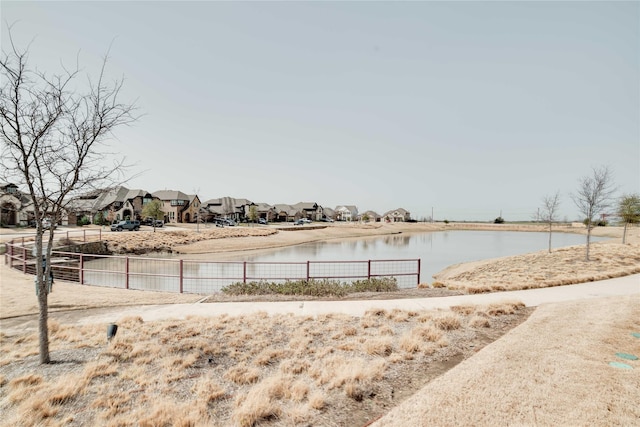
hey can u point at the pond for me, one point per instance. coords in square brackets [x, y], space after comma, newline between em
[206, 273]
[437, 250]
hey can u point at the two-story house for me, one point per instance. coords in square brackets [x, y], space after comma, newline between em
[178, 207]
[346, 213]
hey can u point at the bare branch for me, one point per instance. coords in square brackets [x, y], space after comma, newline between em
[594, 196]
[53, 141]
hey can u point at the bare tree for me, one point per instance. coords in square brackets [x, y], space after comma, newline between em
[629, 211]
[593, 196]
[550, 205]
[53, 140]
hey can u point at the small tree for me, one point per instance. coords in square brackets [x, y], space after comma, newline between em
[153, 209]
[629, 211]
[53, 133]
[550, 205]
[253, 213]
[593, 197]
[111, 215]
[98, 218]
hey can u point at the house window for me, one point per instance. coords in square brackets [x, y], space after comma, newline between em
[177, 203]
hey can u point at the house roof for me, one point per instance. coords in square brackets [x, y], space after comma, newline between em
[171, 195]
[263, 207]
[288, 209]
[307, 206]
[328, 211]
[400, 211]
[101, 199]
[371, 214]
[225, 205]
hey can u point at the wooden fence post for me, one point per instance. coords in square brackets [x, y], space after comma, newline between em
[244, 272]
[126, 272]
[181, 276]
[81, 269]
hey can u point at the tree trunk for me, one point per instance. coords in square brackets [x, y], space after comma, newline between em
[43, 295]
[549, 236]
[624, 233]
[588, 240]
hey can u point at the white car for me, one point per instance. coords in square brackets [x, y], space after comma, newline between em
[47, 224]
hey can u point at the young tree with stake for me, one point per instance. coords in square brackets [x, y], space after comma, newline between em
[629, 211]
[593, 196]
[550, 205]
[53, 141]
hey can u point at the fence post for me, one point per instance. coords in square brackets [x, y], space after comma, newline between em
[126, 272]
[67, 235]
[81, 269]
[244, 272]
[308, 265]
[369, 270]
[100, 234]
[24, 260]
[418, 271]
[84, 236]
[181, 276]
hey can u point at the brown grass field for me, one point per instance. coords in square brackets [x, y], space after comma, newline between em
[398, 367]
[244, 371]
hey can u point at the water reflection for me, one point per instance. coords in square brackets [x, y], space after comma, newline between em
[437, 250]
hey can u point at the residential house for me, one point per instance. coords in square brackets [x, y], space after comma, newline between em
[227, 207]
[309, 210]
[328, 213]
[346, 213]
[193, 212]
[178, 207]
[370, 216]
[286, 213]
[16, 207]
[266, 211]
[397, 215]
[113, 204]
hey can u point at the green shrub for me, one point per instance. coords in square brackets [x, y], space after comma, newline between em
[498, 220]
[315, 288]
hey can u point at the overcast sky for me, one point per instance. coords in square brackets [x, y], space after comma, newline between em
[467, 108]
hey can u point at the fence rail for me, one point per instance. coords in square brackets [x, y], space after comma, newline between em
[202, 277]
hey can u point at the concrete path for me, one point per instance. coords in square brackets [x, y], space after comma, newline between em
[628, 285]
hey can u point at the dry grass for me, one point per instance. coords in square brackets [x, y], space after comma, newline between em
[250, 370]
[170, 240]
[563, 266]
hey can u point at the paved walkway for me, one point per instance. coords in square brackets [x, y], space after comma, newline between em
[628, 285]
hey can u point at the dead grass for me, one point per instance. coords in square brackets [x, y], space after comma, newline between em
[564, 266]
[251, 370]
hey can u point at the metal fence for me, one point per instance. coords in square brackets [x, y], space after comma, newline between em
[86, 235]
[203, 277]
